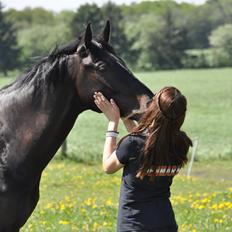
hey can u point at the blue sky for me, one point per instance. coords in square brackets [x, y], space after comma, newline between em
[58, 5]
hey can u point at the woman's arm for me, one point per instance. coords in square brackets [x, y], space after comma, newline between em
[110, 161]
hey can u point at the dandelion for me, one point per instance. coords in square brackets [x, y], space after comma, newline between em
[214, 207]
[89, 201]
[216, 220]
[62, 206]
[94, 206]
[105, 223]
[49, 206]
[95, 226]
[64, 222]
[109, 202]
[178, 199]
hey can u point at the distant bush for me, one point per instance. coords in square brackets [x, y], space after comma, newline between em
[221, 42]
[206, 58]
[195, 58]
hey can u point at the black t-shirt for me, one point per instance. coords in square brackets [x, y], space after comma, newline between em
[144, 204]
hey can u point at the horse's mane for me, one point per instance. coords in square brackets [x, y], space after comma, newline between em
[67, 49]
[44, 64]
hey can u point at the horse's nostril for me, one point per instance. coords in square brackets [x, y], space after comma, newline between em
[101, 66]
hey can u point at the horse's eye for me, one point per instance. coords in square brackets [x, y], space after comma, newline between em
[83, 52]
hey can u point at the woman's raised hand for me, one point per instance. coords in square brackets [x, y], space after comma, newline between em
[108, 108]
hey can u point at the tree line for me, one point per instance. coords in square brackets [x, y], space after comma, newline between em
[148, 35]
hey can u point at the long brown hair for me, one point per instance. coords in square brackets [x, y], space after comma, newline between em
[165, 143]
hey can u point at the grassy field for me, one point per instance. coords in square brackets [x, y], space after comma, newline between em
[209, 94]
[80, 197]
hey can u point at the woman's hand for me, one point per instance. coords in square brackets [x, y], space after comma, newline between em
[108, 108]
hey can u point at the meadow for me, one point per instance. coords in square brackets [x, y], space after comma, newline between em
[77, 196]
[209, 94]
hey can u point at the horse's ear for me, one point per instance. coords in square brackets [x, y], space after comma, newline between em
[106, 32]
[88, 35]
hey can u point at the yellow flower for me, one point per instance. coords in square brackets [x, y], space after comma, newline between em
[214, 206]
[95, 226]
[94, 206]
[64, 222]
[205, 200]
[105, 223]
[109, 202]
[217, 220]
[49, 205]
[62, 206]
[89, 201]
[178, 199]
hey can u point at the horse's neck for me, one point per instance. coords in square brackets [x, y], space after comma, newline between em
[38, 121]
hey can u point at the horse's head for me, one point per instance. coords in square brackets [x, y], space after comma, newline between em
[100, 69]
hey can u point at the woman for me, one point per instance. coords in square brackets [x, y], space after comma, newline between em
[151, 155]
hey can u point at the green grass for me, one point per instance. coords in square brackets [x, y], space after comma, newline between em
[209, 94]
[80, 197]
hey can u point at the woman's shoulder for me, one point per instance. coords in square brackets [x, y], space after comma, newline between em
[133, 139]
[136, 139]
[138, 136]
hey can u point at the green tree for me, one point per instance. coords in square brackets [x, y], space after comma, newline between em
[159, 42]
[201, 20]
[221, 39]
[118, 38]
[86, 13]
[169, 49]
[221, 11]
[31, 16]
[9, 51]
[40, 30]
[38, 40]
[64, 17]
[98, 16]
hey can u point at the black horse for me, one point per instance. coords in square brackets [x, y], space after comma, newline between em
[39, 109]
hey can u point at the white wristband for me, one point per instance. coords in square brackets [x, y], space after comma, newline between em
[111, 134]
